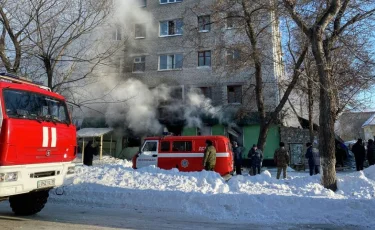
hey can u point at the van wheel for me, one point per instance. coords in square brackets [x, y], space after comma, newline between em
[28, 203]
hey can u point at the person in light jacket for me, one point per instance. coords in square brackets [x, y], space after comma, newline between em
[209, 158]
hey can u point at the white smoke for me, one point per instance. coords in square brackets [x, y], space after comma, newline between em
[131, 104]
[196, 106]
[135, 106]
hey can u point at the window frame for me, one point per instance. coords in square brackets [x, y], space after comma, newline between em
[143, 1]
[204, 25]
[161, 146]
[240, 99]
[173, 64]
[139, 62]
[191, 146]
[231, 53]
[168, 21]
[135, 30]
[204, 58]
[170, 2]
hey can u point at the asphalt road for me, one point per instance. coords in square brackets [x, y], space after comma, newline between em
[59, 216]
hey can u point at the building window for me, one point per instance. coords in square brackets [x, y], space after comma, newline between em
[170, 61]
[231, 20]
[182, 146]
[140, 30]
[204, 58]
[234, 93]
[204, 23]
[169, 1]
[233, 56]
[139, 64]
[142, 3]
[170, 28]
[116, 35]
[177, 93]
[206, 91]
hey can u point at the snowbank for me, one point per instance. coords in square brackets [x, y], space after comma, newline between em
[261, 199]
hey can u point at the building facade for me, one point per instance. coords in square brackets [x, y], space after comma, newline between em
[191, 45]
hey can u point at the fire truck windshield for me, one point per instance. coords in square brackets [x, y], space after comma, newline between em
[29, 105]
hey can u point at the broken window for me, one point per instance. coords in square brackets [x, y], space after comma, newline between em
[234, 93]
[139, 64]
[140, 30]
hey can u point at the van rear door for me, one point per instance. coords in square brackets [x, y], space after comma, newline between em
[149, 154]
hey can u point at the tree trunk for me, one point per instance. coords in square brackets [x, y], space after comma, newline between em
[327, 112]
[310, 83]
[49, 71]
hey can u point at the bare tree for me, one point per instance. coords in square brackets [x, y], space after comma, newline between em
[323, 22]
[60, 41]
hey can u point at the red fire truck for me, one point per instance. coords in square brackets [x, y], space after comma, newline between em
[37, 143]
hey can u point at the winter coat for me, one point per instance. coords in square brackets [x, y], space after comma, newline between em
[313, 156]
[281, 157]
[237, 152]
[209, 157]
[250, 153]
[359, 152]
[371, 153]
[89, 153]
[257, 158]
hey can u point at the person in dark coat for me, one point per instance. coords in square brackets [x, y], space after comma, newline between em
[237, 152]
[249, 154]
[90, 151]
[371, 152]
[340, 154]
[359, 154]
[313, 156]
[256, 160]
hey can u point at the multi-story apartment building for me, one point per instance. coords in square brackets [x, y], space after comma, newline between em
[188, 45]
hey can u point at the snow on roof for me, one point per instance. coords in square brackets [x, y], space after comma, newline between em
[93, 132]
[370, 121]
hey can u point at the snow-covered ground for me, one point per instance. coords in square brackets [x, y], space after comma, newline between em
[261, 199]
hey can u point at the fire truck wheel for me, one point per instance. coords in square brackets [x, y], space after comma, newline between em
[28, 203]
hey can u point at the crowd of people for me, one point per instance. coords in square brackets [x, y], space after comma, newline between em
[282, 157]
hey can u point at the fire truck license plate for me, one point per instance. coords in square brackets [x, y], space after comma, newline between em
[46, 183]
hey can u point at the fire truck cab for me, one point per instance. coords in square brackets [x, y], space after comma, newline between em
[184, 153]
[37, 143]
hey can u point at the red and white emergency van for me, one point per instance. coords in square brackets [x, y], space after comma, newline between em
[37, 143]
[184, 153]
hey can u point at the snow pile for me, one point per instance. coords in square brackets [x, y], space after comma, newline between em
[261, 199]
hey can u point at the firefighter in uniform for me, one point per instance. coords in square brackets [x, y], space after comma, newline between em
[209, 158]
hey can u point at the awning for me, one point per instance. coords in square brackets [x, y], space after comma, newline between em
[93, 132]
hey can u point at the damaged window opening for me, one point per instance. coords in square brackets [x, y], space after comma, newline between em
[234, 94]
[139, 64]
[206, 91]
[171, 28]
[140, 30]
